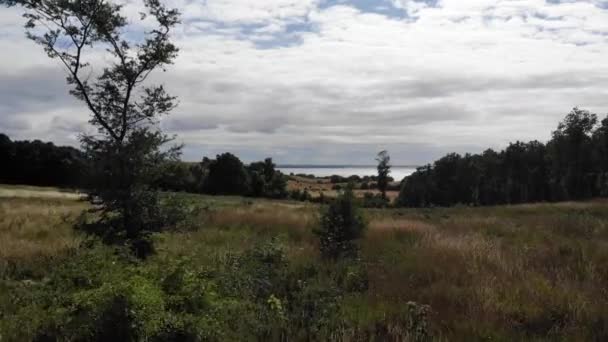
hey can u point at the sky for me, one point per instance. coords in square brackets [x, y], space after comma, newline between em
[336, 81]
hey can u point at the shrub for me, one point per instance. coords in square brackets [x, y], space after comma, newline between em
[266, 181]
[374, 201]
[337, 179]
[305, 196]
[295, 194]
[341, 224]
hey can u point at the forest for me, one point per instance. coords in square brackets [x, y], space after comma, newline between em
[40, 163]
[572, 165]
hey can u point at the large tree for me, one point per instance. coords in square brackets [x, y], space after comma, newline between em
[570, 154]
[126, 149]
[227, 176]
[384, 169]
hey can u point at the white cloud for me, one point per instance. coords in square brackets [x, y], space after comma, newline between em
[455, 75]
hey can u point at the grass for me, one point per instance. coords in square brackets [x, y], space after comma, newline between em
[526, 272]
[34, 230]
[36, 192]
[318, 186]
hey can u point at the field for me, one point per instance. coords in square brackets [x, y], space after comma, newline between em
[527, 272]
[316, 186]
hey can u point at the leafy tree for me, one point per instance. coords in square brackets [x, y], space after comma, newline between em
[570, 158]
[227, 176]
[600, 158]
[340, 226]
[333, 179]
[266, 181]
[6, 157]
[178, 176]
[40, 163]
[371, 200]
[126, 150]
[418, 189]
[573, 165]
[384, 168]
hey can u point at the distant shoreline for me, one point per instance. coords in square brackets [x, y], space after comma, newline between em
[321, 171]
[313, 166]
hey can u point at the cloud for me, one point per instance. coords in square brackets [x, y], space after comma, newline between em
[335, 81]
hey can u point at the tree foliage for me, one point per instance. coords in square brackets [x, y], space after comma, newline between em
[384, 169]
[573, 165]
[40, 163]
[125, 152]
[226, 176]
[341, 225]
[266, 181]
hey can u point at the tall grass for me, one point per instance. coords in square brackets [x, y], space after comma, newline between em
[529, 272]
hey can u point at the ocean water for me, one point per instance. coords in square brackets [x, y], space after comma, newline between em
[397, 172]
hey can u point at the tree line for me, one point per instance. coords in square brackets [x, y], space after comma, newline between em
[572, 165]
[45, 164]
[225, 175]
[40, 163]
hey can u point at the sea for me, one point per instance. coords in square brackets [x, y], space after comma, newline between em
[397, 172]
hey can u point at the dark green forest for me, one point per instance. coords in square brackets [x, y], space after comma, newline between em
[40, 163]
[572, 165]
[45, 164]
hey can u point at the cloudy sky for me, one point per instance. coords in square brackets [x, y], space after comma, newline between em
[335, 81]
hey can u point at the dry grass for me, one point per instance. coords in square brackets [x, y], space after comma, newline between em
[534, 271]
[25, 191]
[34, 229]
[401, 224]
[262, 217]
[317, 186]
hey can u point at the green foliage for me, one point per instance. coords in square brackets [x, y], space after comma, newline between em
[266, 181]
[384, 168]
[125, 154]
[340, 226]
[39, 163]
[298, 195]
[227, 176]
[121, 188]
[289, 301]
[98, 295]
[334, 179]
[371, 200]
[573, 165]
[179, 176]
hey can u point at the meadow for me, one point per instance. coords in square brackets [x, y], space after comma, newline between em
[317, 187]
[245, 269]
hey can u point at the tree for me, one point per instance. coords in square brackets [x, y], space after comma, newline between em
[340, 226]
[384, 168]
[6, 157]
[126, 150]
[227, 176]
[266, 181]
[569, 149]
[573, 165]
[600, 158]
[40, 163]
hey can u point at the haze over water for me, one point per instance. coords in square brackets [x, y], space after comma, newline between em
[397, 172]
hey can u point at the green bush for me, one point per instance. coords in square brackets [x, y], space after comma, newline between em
[374, 201]
[340, 226]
